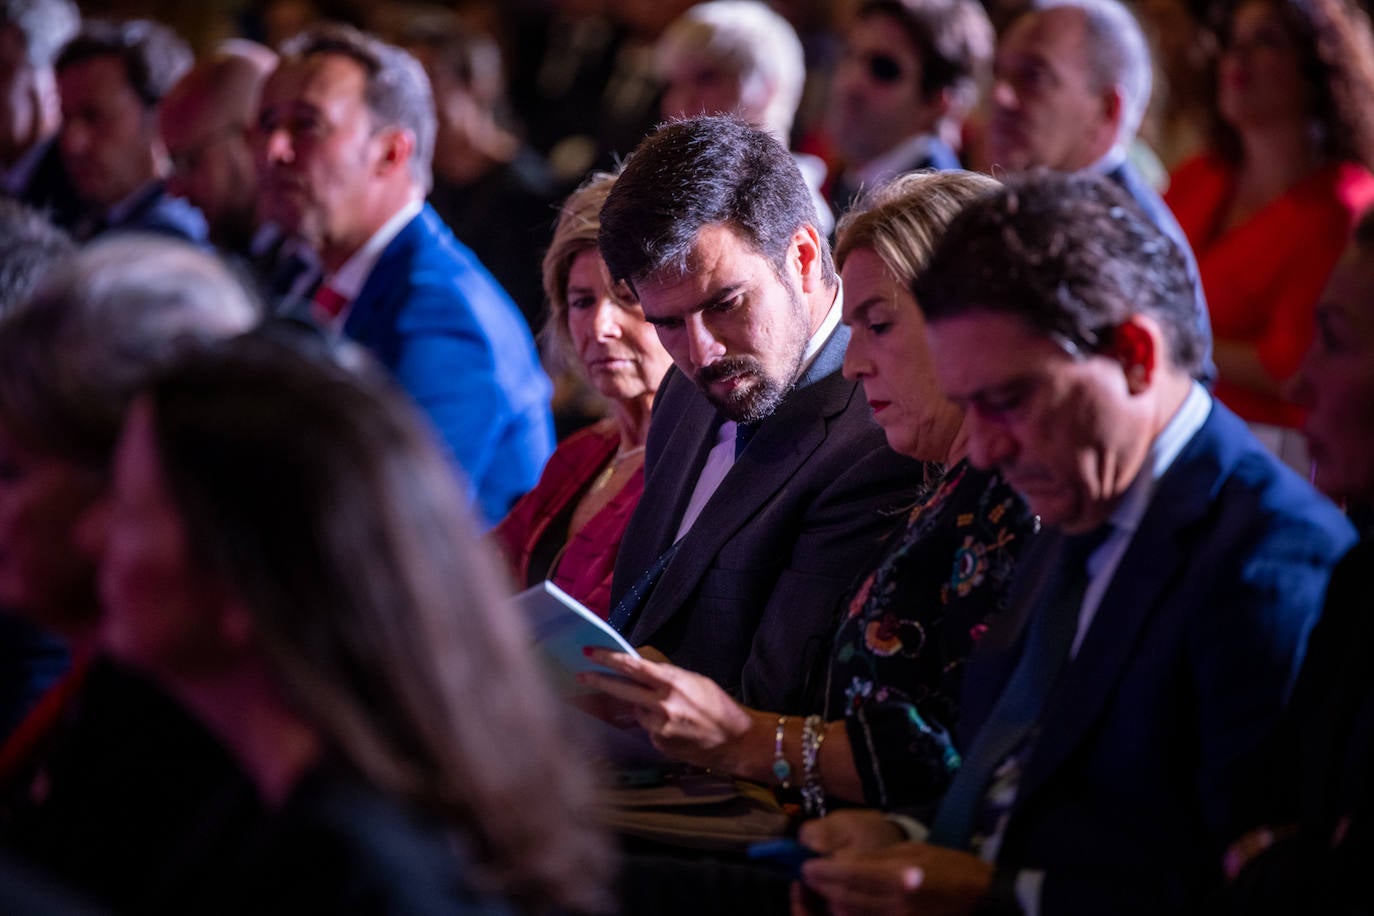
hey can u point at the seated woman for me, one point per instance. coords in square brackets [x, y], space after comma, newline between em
[1314, 854]
[879, 736]
[107, 777]
[568, 528]
[286, 552]
[1269, 208]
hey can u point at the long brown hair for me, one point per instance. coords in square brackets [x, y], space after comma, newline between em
[319, 497]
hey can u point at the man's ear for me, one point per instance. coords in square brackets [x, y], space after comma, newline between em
[807, 246]
[1113, 110]
[1135, 345]
[397, 146]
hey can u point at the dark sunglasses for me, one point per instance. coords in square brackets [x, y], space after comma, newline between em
[883, 68]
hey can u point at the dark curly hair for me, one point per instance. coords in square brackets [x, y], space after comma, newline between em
[1336, 58]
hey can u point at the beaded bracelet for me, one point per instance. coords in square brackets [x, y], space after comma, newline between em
[781, 768]
[813, 796]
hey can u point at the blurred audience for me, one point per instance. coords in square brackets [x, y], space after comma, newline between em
[111, 78]
[31, 171]
[345, 138]
[1176, 121]
[568, 528]
[910, 73]
[482, 169]
[739, 57]
[895, 665]
[286, 551]
[107, 782]
[1071, 82]
[29, 247]
[1269, 207]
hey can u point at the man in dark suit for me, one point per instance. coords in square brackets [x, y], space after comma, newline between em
[767, 482]
[31, 34]
[1156, 626]
[1071, 81]
[909, 75]
[111, 78]
[346, 132]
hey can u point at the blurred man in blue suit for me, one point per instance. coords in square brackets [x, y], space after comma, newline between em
[344, 140]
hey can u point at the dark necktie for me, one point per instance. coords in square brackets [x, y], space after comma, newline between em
[1050, 634]
[624, 613]
[743, 433]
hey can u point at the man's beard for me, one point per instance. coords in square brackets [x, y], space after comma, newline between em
[755, 397]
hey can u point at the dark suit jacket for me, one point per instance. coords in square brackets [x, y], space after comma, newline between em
[751, 597]
[1135, 782]
[1159, 213]
[453, 339]
[49, 190]
[1322, 768]
[938, 155]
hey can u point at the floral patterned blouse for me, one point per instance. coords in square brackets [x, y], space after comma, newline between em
[898, 657]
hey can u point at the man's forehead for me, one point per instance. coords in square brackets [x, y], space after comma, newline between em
[983, 349]
[1052, 36]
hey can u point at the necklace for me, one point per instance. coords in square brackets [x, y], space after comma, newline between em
[620, 456]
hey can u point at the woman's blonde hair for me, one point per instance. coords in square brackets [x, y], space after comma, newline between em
[579, 221]
[901, 220]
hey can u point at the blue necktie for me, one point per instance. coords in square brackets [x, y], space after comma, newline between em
[624, 613]
[1050, 634]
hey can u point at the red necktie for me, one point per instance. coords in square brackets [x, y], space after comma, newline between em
[328, 301]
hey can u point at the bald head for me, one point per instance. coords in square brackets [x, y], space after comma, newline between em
[205, 120]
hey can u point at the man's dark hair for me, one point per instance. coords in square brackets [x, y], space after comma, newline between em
[703, 172]
[397, 93]
[953, 38]
[29, 246]
[1072, 255]
[154, 58]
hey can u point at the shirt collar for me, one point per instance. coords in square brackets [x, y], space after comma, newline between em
[120, 211]
[828, 325]
[1164, 450]
[1110, 161]
[348, 280]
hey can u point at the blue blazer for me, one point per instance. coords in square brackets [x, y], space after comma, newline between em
[450, 335]
[159, 212]
[751, 597]
[1138, 777]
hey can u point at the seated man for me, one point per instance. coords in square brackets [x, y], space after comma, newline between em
[346, 132]
[1155, 628]
[111, 78]
[767, 482]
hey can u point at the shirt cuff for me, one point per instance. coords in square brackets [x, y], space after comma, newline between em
[914, 829]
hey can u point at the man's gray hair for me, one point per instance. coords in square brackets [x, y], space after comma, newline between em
[45, 26]
[752, 40]
[1118, 55]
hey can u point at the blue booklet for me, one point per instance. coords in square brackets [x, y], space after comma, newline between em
[561, 626]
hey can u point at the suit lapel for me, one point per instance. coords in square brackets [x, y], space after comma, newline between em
[1156, 557]
[781, 446]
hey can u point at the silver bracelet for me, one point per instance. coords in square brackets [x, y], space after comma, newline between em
[782, 770]
[813, 796]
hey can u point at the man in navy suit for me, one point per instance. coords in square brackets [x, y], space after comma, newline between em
[1109, 726]
[1071, 81]
[346, 131]
[767, 481]
[111, 78]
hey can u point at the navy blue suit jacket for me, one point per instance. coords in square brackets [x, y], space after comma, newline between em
[750, 599]
[156, 211]
[1159, 213]
[1137, 779]
[433, 315]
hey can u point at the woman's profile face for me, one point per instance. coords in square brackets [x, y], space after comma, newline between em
[1260, 81]
[159, 615]
[888, 352]
[43, 575]
[619, 350]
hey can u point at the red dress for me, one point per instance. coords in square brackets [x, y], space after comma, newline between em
[1263, 278]
[584, 567]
